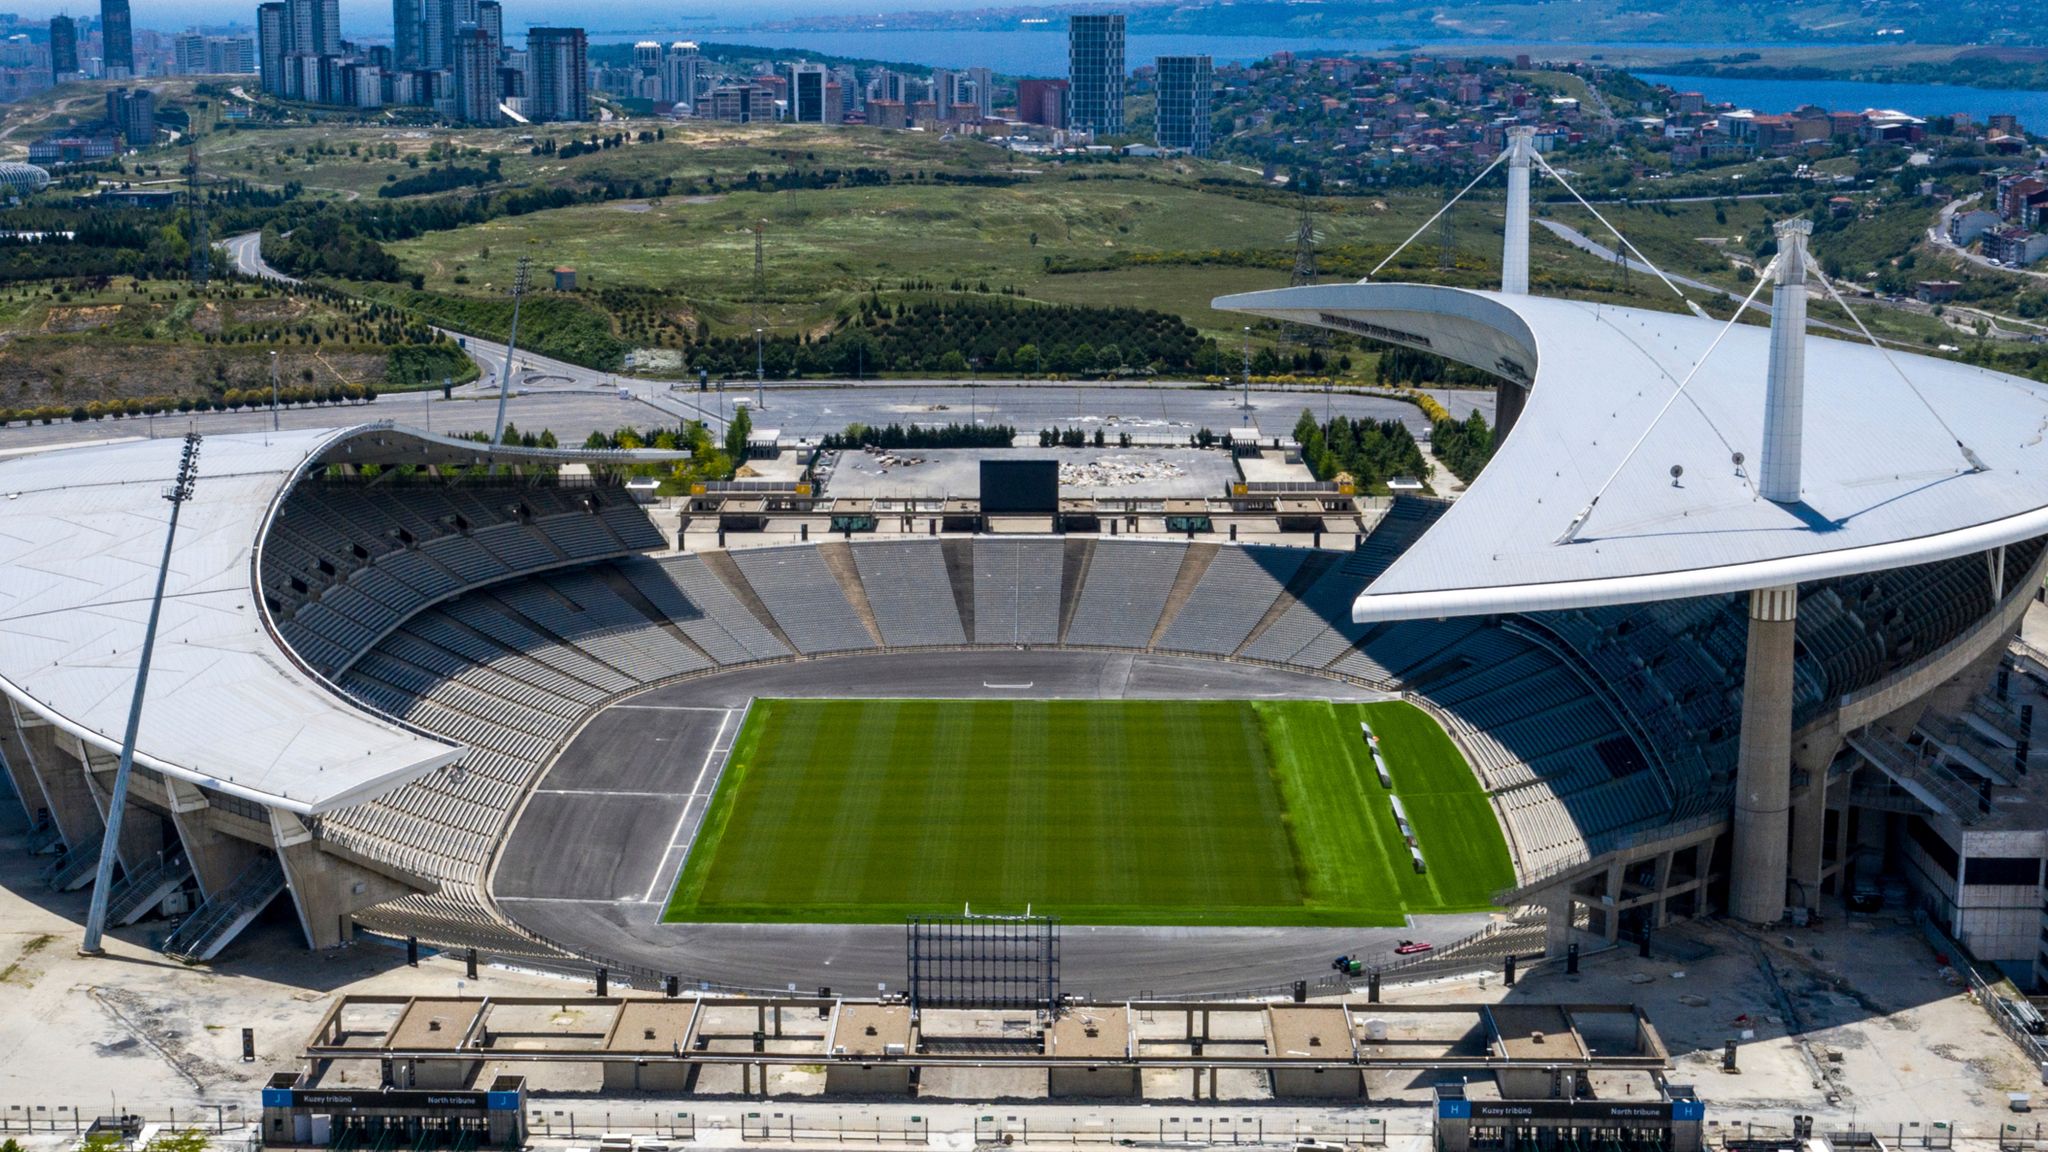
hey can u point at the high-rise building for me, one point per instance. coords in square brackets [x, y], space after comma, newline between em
[271, 46]
[850, 92]
[807, 94]
[117, 40]
[558, 75]
[740, 103]
[407, 50]
[133, 115]
[647, 57]
[945, 86]
[679, 69]
[984, 81]
[1184, 86]
[1095, 70]
[476, 76]
[1042, 102]
[314, 27]
[490, 16]
[188, 54]
[63, 47]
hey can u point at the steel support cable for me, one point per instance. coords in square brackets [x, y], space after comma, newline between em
[1969, 457]
[1578, 523]
[1626, 243]
[1433, 219]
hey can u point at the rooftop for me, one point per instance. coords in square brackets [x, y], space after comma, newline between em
[1885, 486]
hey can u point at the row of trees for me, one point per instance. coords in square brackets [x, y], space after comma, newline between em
[894, 436]
[229, 400]
[1370, 451]
[1464, 446]
[956, 336]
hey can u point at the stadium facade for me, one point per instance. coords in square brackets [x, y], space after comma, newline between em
[1682, 697]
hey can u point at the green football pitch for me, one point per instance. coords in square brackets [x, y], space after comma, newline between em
[1100, 812]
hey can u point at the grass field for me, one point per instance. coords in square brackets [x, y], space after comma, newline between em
[1101, 812]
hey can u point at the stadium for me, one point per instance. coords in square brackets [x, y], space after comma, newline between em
[1720, 626]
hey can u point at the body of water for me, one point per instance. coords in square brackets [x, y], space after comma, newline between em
[1015, 53]
[1855, 96]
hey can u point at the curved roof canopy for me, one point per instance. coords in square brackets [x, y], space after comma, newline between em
[1884, 485]
[228, 707]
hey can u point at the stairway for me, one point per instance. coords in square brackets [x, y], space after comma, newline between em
[1930, 781]
[74, 869]
[135, 895]
[204, 933]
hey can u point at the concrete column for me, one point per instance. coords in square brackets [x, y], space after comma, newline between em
[216, 857]
[1812, 756]
[142, 831]
[1611, 930]
[1763, 773]
[1785, 390]
[14, 761]
[59, 769]
[1557, 923]
[1514, 257]
[327, 890]
[1508, 399]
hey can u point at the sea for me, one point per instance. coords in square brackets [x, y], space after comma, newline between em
[1032, 53]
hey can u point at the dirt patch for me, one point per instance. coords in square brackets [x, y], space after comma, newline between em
[80, 317]
[23, 968]
[68, 371]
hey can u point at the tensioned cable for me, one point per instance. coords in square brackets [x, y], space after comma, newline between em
[1439, 212]
[1571, 531]
[1638, 253]
[1969, 457]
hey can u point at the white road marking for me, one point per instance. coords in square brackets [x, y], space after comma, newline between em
[668, 708]
[1017, 687]
[696, 790]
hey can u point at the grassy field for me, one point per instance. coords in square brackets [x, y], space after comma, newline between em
[1100, 812]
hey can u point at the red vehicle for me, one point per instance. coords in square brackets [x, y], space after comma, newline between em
[1411, 947]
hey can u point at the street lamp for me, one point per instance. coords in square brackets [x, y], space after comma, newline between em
[273, 389]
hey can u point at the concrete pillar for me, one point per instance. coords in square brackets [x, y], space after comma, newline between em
[327, 890]
[59, 769]
[1557, 922]
[1785, 390]
[14, 761]
[142, 831]
[216, 857]
[1763, 773]
[1508, 399]
[1514, 257]
[1611, 930]
[1811, 755]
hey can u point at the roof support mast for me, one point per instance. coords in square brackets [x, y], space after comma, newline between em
[1514, 257]
[1785, 389]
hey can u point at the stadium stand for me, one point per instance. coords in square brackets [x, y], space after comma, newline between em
[804, 597]
[910, 593]
[1124, 593]
[1017, 591]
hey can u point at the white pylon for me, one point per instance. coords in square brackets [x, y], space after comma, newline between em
[1514, 258]
[1785, 389]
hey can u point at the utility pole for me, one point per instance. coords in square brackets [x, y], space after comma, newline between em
[273, 390]
[1305, 266]
[1247, 368]
[178, 493]
[195, 209]
[511, 348]
[760, 290]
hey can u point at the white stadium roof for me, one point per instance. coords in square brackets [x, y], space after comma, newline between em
[229, 707]
[1884, 486]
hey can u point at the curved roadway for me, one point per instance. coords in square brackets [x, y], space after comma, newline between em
[593, 853]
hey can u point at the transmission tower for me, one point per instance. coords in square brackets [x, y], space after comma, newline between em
[195, 208]
[1304, 246]
[1621, 262]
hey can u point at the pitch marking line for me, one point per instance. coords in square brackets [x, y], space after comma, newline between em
[610, 792]
[696, 791]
